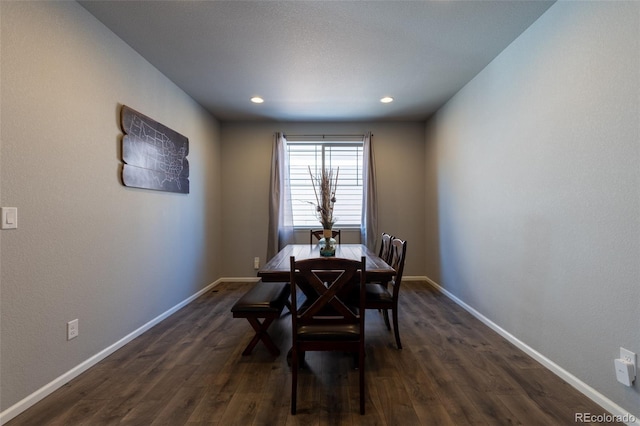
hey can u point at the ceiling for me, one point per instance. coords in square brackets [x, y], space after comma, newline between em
[319, 60]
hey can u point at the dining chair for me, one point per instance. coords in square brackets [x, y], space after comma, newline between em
[328, 320]
[381, 297]
[385, 247]
[317, 234]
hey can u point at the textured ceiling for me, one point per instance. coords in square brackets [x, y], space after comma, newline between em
[319, 60]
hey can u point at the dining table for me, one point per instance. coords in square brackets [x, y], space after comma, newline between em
[278, 268]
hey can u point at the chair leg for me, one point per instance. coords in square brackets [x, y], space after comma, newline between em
[385, 315]
[396, 330]
[294, 381]
[361, 368]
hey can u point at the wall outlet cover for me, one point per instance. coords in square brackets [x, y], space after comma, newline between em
[630, 357]
[72, 329]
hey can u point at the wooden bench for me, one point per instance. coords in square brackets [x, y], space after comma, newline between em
[264, 301]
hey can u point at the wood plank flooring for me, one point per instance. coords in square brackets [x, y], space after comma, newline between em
[188, 370]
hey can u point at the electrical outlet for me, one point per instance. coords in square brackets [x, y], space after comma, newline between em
[72, 329]
[630, 357]
[256, 263]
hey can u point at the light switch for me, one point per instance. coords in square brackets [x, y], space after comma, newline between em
[9, 217]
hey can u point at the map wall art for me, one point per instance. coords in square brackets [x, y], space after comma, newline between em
[155, 156]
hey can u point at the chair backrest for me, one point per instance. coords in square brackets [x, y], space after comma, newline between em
[398, 253]
[317, 234]
[385, 247]
[329, 285]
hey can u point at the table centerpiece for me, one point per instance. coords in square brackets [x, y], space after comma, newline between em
[324, 188]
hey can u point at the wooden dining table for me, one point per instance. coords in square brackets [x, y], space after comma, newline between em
[278, 268]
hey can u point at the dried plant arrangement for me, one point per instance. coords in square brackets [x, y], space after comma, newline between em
[324, 187]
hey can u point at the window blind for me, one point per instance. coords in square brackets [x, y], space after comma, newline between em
[345, 158]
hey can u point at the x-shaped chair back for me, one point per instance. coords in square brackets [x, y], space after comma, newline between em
[397, 254]
[385, 247]
[317, 234]
[332, 281]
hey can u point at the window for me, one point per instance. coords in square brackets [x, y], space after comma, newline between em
[347, 156]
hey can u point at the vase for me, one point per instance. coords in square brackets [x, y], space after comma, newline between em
[327, 244]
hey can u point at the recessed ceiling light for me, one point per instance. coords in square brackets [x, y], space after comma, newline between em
[257, 100]
[386, 99]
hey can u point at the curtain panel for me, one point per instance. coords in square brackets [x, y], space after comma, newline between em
[369, 224]
[280, 212]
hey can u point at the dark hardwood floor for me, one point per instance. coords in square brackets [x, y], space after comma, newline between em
[188, 370]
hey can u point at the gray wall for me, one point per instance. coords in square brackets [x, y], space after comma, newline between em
[537, 181]
[88, 247]
[246, 149]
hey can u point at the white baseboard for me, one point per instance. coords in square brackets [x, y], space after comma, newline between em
[49, 388]
[239, 280]
[582, 387]
[412, 278]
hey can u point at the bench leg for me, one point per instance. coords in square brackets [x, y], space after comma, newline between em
[261, 334]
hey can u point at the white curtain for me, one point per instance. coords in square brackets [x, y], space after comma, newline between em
[280, 212]
[369, 227]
